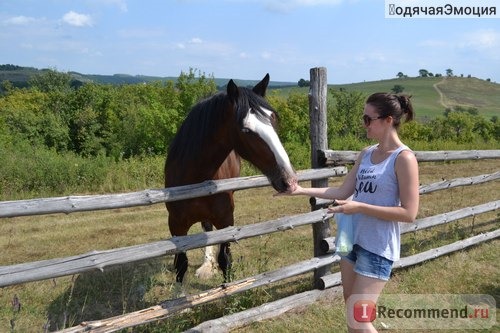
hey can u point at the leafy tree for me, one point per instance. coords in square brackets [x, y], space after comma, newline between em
[449, 72]
[293, 130]
[397, 89]
[423, 73]
[292, 111]
[345, 116]
[414, 131]
[192, 88]
[484, 129]
[304, 83]
[26, 118]
[51, 80]
[148, 117]
[458, 108]
[456, 126]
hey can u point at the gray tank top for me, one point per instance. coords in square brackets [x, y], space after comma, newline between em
[377, 184]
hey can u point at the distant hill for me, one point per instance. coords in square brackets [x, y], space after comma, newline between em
[19, 77]
[432, 95]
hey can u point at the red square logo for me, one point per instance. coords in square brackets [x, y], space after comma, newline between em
[364, 311]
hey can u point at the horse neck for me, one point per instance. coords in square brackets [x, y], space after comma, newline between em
[213, 159]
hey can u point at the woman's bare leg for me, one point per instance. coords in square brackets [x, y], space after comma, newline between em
[348, 276]
[368, 289]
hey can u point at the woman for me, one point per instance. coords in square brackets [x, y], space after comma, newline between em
[384, 186]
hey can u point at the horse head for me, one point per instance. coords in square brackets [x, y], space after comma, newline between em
[255, 138]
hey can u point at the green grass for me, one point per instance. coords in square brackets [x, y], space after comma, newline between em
[67, 301]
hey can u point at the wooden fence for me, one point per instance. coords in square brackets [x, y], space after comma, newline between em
[320, 264]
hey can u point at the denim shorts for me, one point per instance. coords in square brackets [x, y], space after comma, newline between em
[369, 264]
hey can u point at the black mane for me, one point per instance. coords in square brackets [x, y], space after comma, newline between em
[205, 118]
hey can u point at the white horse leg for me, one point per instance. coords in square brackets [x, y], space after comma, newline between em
[209, 266]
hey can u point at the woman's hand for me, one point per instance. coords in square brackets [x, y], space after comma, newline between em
[294, 189]
[345, 206]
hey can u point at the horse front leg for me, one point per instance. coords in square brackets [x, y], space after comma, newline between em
[181, 266]
[225, 261]
[208, 268]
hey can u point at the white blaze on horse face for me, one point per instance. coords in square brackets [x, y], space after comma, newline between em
[268, 134]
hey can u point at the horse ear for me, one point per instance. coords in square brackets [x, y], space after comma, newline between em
[260, 88]
[232, 90]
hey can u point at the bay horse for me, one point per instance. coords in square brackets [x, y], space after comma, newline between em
[208, 145]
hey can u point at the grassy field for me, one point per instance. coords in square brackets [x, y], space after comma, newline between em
[466, 92]
[67, 301]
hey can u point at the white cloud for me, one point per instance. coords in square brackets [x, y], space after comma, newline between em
[77, 20]
[266, 55]
[482, 39]
[19, 20]
[195, 40]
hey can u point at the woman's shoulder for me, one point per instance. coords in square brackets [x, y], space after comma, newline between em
[368, 148]
[364, 151]
[406, 156]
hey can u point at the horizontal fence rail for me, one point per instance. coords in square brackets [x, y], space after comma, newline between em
[429, 188]
[98, 260]
[72, 204]
[174, 306]
[340, 157]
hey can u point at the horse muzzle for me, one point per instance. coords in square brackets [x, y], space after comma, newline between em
[283, 180]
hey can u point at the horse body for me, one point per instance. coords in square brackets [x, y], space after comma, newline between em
[208, 145]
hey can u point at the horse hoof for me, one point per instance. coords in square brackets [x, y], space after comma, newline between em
[177, 290]
[205, 272]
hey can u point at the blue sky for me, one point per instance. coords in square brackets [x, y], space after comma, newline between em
[243, 39]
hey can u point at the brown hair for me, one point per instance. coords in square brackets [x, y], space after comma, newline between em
[392, 105]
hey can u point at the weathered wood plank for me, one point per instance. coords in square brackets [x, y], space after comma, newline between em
[266, 311]
[170, 307]
[329, 157]
[334, 279]
[429, 188]
[446, 249]
[72, 204]
[328, 244]
[466, 181]
[447, 217]
[98, 260]
[319, 140]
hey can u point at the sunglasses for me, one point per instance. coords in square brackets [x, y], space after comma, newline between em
[367, 120]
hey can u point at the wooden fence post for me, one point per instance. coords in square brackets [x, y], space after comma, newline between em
[319, 141]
